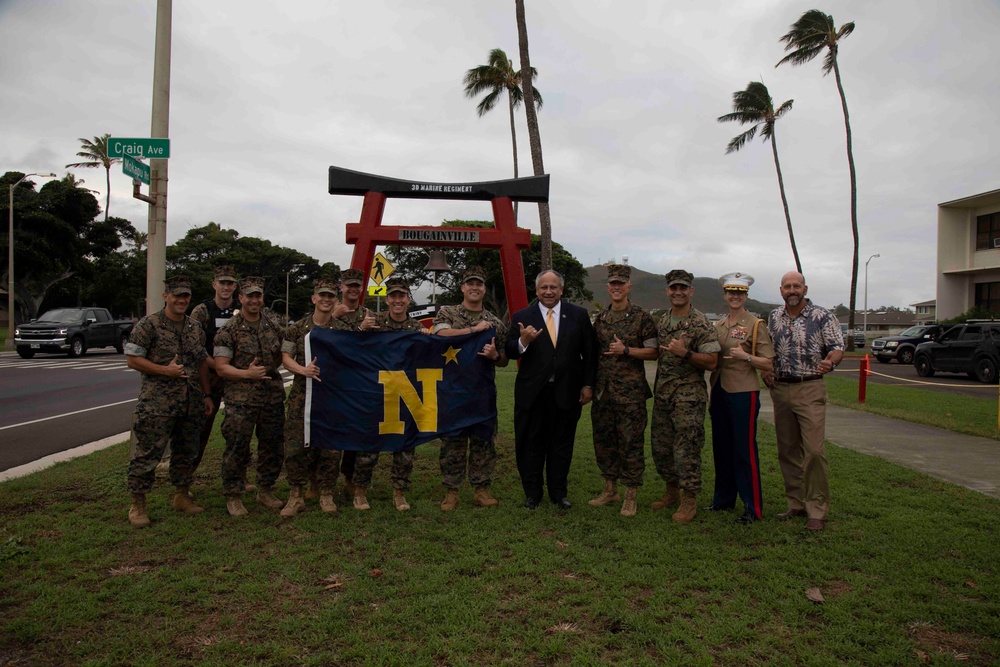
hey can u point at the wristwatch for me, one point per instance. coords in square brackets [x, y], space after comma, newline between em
[687, 355]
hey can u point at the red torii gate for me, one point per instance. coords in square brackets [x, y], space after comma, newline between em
[508, 238]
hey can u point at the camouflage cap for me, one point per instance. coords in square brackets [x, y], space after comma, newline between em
[326, 286]
[177, 285]
[395, 284]
[352, 277]
[225, 272]
[680, 277]
[619, 273]
[736, 282]
[474, 273]
[251, 285]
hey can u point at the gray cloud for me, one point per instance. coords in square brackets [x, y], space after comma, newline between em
[263, 100]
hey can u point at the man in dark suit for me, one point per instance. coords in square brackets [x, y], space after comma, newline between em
[558, 352]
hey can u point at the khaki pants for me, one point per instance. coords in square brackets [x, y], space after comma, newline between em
[800, 422]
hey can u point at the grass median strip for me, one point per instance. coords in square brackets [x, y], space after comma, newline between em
[907, 568]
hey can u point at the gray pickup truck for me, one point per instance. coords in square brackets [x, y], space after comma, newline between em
[72, 331]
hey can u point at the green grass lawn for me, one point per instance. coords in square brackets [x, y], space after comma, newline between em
[907, 567]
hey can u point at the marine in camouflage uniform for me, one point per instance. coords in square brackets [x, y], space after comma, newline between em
[394, 318]
[626, 336]
[358, 318]
[247, 356]
[688, 347]
[302, 463]
[468, 451]
[168, 348]
[212, 314]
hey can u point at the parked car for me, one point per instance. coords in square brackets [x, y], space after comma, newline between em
[71, 330]
[972, 348]
[859, 335]
[902, 346]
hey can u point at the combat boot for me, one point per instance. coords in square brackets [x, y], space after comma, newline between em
[399, 500]
[483, 497]
[360, 499]
[326, 501]
[182, 502]
[265, 496]
[450, 501]
[234, 505]
[629, 506]
[137, 512]
[608, 496]
[685, 513]
[670, 498]
[295, 503]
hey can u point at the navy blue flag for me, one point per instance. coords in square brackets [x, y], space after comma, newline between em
[391, 391]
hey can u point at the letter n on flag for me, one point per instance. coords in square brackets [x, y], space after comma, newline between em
[391, 391]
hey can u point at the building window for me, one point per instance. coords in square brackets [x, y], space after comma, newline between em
[988, 231]
[988, 297]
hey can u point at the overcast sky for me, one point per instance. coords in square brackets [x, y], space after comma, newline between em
[266, 96]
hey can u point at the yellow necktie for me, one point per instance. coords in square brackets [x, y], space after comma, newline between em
[550, 324]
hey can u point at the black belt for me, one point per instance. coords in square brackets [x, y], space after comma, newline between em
[791, 379]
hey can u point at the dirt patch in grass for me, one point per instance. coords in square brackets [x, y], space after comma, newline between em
[963, 647]
[14, 655]
[835, 588]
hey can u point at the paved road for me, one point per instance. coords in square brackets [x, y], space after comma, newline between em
[51, 404]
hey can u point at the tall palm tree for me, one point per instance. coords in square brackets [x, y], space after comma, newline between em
[496, 78]
[754, 105]
[534, 139]
[96, 152]
[806, 39]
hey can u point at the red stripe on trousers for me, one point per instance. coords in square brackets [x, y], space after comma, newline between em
[752, 446]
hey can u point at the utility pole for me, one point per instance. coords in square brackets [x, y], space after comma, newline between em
[156, 250]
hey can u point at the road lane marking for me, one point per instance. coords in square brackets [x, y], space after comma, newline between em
[68, 414]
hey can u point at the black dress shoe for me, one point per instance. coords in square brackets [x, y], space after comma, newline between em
[530, 503]
[719, 508]
[745, 519]
[563, 503]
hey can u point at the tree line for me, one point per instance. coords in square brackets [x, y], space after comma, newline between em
[66, 255]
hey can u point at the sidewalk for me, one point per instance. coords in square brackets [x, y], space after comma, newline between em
[965, 460]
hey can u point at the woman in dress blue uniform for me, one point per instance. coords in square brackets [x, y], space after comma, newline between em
[735, 401]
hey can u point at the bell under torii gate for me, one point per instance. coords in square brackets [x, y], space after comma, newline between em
[508, 238]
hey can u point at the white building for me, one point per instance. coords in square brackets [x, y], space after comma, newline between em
[926, 312]
[968, 262]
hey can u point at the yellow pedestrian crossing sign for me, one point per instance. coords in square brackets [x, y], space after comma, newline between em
[381, 269]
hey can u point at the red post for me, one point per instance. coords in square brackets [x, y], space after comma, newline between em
[864, 372]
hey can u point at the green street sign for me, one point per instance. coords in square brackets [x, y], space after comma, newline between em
[135, 169]
[147, 148]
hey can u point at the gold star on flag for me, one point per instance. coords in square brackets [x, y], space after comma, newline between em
[451, 354]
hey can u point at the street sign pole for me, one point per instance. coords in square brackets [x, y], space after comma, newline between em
[156, 249]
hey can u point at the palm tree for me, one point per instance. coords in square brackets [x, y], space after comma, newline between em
[754, 105]
[534, 139]
[806, 39]
[495, 79]
[96, 152]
